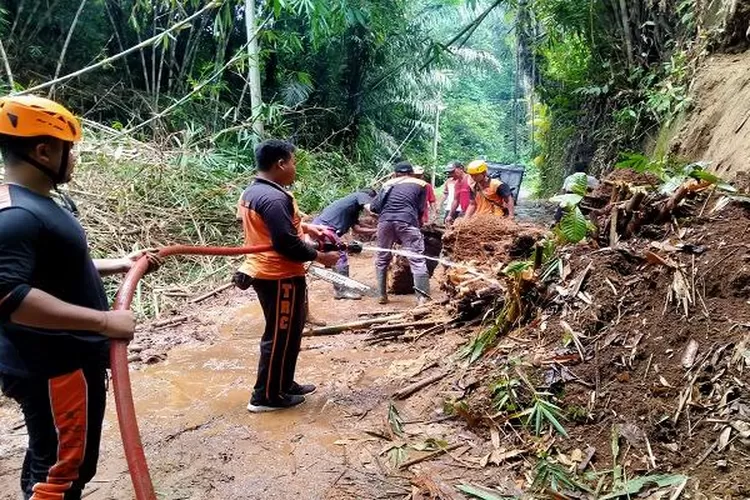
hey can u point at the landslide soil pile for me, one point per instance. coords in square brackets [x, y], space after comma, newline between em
[629, 370]
[487, 238]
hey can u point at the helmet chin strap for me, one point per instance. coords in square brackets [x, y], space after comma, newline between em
[58, 177]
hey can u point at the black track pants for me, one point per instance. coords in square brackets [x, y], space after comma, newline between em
[63, 417]
[283, 303]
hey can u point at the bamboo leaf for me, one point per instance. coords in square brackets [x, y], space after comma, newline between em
[395, 420]
[480, 492]
[634, 486]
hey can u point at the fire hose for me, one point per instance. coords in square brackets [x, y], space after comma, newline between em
[131, 438]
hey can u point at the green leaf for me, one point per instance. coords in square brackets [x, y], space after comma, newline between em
[395, 420]
[553, 419]
[480, 492]
[580, 184]
[397, 455]
[574, 225]
[703, 175]
[517, 267]
[634, 486]
[634, 161]
[567, 200]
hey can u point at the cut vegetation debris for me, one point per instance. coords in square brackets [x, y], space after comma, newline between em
[623, 373]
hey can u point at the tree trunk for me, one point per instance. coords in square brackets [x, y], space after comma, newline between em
[6, 64]
[253, 71]
[61, 59]
[626, 31]
[436, 138]
[18, 15]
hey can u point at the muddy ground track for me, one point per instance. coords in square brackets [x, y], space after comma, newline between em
[201, 442]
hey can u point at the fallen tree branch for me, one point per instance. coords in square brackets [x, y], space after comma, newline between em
[429, 456]
[418, 385]
[208, 295]
[355, 325]
[404, 326]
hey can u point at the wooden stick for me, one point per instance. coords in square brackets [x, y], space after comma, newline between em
[201, 298]
[418, 385]
[170, 322]
[613, 227]
[355, 325]
[429, 456]
[404, 326]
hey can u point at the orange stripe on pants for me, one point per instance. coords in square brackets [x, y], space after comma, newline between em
[275, 337]
[68, 396]
[288, 333]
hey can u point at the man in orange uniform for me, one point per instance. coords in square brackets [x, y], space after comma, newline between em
[270, 217]
[55, 322]
[489, 196]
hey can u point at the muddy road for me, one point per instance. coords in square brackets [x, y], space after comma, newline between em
[201, 442]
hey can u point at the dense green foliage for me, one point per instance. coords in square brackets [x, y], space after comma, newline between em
[610, 74]
[354, 84]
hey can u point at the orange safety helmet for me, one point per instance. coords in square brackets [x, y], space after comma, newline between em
[32, 116]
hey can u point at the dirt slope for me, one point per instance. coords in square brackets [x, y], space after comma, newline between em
[718, 129]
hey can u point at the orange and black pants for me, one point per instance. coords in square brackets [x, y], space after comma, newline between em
[63, 417]
[283, 303]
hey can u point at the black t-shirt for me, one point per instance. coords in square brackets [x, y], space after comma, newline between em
[43, 246]
[343, 214]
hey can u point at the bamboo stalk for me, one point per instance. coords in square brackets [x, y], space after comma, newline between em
[61, 59]
[354, 325]
[110, 60]
[119, 40]
[6, 63]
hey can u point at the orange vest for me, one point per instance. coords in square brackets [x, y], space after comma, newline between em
[267, 265]
[487, 200]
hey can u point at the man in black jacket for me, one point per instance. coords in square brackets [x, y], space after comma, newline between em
[400, 206]
[270, 216]
[341, 216]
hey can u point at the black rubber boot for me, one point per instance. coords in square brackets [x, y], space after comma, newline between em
[382, 276]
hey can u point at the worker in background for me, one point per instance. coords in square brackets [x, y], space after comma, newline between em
[270, 216]
[400, 206]
[430, 198]
[341, 216]
[461, 191]
[580, 169]
[55, 322]
[488, 195]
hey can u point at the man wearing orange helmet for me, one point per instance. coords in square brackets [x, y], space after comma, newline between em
[55, 322]
[488, 195]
